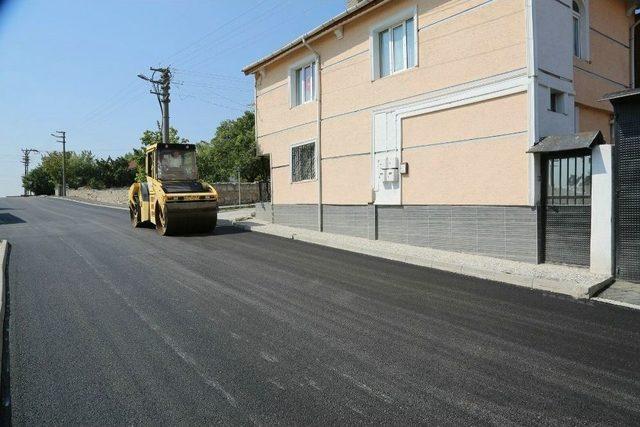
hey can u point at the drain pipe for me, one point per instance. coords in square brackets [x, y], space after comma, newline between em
[632, 40]
[318, 129]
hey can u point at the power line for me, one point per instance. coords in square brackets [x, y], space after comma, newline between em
[229, 37]
[215, 54]
[216, 30]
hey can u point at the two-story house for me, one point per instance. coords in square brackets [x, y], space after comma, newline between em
[425, 122]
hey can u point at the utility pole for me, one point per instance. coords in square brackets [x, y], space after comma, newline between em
[62, 137]
[25, 159]
[239, 194]
[161, 89]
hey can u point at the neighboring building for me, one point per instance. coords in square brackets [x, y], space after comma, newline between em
[412, 120]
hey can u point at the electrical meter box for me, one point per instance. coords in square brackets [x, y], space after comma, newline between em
[391, 175]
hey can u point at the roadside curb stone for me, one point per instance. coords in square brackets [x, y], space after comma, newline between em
[572, 281]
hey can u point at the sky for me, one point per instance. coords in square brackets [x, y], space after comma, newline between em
[71, 65]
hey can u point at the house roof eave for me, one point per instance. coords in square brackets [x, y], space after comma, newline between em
[320, 30]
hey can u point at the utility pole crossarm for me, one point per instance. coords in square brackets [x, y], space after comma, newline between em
[161, 89]
[63, 135]
[26, 152]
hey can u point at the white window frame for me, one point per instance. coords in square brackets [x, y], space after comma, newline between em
[390, 23]
[584, 28]
[315, 161]
[309, 60]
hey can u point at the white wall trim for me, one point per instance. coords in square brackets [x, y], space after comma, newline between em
[470, 96]
[452, 91]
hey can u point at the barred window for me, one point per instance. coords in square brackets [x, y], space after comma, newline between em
[303, 162]
[569, 180]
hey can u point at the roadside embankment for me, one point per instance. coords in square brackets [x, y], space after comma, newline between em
[227, 193]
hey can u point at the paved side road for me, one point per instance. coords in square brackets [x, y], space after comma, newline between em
[110, 325]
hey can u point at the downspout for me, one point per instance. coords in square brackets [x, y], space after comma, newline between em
[318, 129]
[533, 116]
[532, 74]
[632, 52]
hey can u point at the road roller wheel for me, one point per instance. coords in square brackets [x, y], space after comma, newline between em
[135, 214]
[163, 222]
[212, 223]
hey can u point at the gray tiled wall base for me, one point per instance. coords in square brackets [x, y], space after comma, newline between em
[500, 231]
[264, 211]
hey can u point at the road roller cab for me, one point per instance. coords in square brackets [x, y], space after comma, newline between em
[173, 198]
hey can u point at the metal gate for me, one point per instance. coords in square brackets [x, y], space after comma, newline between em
[567, 208]
[627, 158]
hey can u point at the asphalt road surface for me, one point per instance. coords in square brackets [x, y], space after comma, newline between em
[110, 325]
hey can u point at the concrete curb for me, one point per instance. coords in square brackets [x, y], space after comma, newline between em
[89, 203]
[618, 303]
[4, 257]
[575, 290]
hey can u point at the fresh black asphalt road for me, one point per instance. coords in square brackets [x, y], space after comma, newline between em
[110, 325]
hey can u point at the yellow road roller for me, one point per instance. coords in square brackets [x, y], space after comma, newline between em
[173, 198]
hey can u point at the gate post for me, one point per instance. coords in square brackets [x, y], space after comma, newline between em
[602, 224]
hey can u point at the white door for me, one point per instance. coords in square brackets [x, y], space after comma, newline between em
[386, 160]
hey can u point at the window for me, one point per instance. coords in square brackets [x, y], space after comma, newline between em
[303, 162]
[556, 101]
[580, 29]
[177, 164]
[396, 48]
[569, 180]
[304, 84]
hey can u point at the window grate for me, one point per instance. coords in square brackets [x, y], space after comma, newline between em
[303, 162]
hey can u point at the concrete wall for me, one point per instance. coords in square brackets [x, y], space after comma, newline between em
[227, 194]
[115, 196]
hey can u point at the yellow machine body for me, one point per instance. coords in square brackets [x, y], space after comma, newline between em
[173, 198]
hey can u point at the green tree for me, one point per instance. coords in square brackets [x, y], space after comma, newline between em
[232, 149]
[79, 171]
[113, 173]
[38, 182]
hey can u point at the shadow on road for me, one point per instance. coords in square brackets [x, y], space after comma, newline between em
[7, 218]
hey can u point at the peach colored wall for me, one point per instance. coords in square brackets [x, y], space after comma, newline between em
[286, 192]
[609, 44]
[278, 144]
[449, 172]
[347, 180]
[481, 43]
[494, 117]
[593, 119]
[440, 173]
